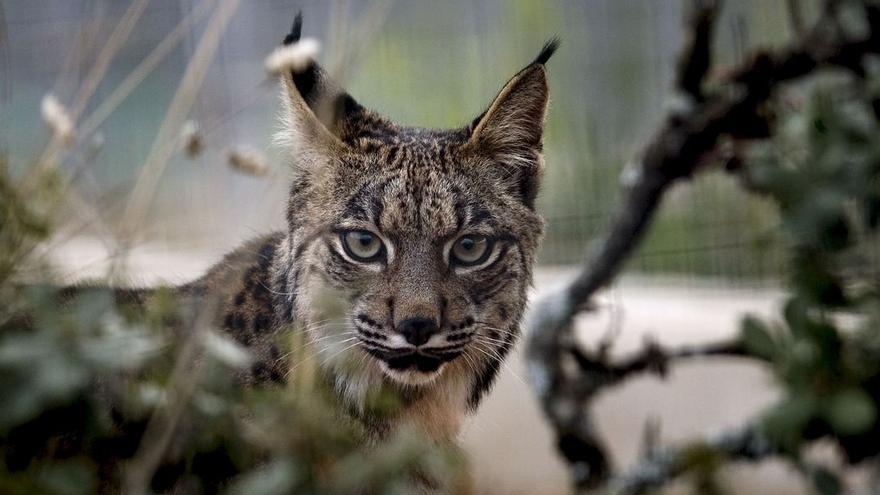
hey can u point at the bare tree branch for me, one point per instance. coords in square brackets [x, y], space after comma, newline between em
[659, 467]
[696, 59]
[796, 18]
[652, 359]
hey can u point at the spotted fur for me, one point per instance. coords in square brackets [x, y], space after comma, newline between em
[418, 191]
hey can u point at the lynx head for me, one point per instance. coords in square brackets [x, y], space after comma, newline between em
[425, 237]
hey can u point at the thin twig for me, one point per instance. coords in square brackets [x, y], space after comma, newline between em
[160, 429]
[658, 467]
[696, 58]
[147, 65]
[5, 70]
[652, 359]
[166, 139]
[116, 40]
[114, 43]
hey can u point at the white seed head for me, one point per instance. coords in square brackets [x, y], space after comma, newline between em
[295, 57]
[57, 118]
[249, 160]
[192, 139]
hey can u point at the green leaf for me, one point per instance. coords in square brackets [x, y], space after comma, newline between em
[835, 234]
[785, 422]
[813, 279]
[850, 411]
[51, 378]
[825, 481]
[276, 478]
[829, 344]
[91, 305]
[795, 313]
[73, 477]
[872, 211]
[757, 339]
[226, 350]
[126, 349]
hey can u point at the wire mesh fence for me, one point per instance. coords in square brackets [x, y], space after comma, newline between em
[433, 64]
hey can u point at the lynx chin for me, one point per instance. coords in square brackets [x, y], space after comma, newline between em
[407, 255]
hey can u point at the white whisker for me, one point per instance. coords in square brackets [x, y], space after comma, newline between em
[328, 359]
[493, 354]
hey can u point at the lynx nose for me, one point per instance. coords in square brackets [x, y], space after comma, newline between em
[417, 330]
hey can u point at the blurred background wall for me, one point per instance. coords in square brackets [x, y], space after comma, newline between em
[427, 63]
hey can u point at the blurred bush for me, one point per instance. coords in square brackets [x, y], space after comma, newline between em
[101, 393]
[822, 169]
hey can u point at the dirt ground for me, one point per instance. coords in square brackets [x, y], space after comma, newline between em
[510, 446]
[512, 449]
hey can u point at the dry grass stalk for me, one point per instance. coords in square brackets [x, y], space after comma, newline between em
[183, 382]
[164, 144]
[145, 68]
[107, 106]
[353, 39]
[120, 34]
[116, 40]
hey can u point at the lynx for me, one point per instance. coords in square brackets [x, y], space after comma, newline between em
[421, 241]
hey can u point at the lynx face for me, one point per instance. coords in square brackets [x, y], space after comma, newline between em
[435, 258]
[411, 250]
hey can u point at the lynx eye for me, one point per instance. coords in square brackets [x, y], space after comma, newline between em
[470, 250]
[362, 245]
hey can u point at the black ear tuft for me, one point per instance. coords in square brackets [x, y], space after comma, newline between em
[306, 80]
[295, 30]
[547, 51]
[334, 108]
[510, 132]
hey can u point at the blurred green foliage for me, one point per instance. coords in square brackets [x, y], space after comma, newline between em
[822, 169]
[91, 386]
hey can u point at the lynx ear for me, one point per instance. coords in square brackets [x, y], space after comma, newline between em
[510, 132]
[316, 113]
[313, 145]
